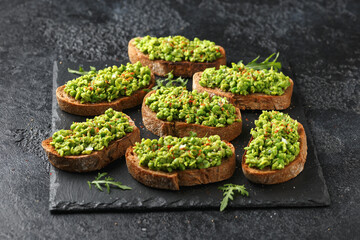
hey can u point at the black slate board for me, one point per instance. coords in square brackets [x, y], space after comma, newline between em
[70, 192]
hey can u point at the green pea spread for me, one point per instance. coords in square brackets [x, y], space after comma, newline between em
[178, 104]
[275, 141]
[171, 153]
[239, 79]
[109, 83]
[92, 135]
[178, 48]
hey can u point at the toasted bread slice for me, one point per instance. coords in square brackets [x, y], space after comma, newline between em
[175, 179]
[183, 129]
[268, 176]
[254, 101]
[162, 67]
[69, 104]
[97, 159]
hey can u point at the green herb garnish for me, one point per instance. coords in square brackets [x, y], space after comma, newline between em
[171, 82]
[82, 72]
[265, 64]
[229, 191]
[107, 182]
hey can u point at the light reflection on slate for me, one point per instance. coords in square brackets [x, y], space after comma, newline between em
[70, 191]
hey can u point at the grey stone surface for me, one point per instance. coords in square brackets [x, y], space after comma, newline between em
[320, 39]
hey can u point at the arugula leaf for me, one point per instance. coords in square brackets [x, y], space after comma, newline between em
[107, 181]
[170, 82]
[82, 72]
[265, 64]
[229, 191]
[159, 84]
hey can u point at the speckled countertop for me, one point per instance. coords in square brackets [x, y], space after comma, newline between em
[320, 40]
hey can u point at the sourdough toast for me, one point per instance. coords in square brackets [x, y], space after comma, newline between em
[253, 101]
[183, 129]
[69, 104]
[268, 176]
[162, 67]
[175, 179]
[97, 159]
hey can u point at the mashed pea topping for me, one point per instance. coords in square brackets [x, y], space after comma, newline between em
[172, 153]
[178, 48]
[178, 104]
[242, 80]
[275, 141]
[92, 135]
[109, 83]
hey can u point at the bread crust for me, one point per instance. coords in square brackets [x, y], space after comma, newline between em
[177, 178]
[268, 176]
[182, 68]
[97, 159]
[69, 104]
[183, 129]
[253, 101]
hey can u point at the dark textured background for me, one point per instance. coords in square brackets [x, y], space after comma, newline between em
[320, 39]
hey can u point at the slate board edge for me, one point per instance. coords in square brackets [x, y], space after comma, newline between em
[66, 206]
[310, 139]
[327, 199]
[72, 207]
[53, 185]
